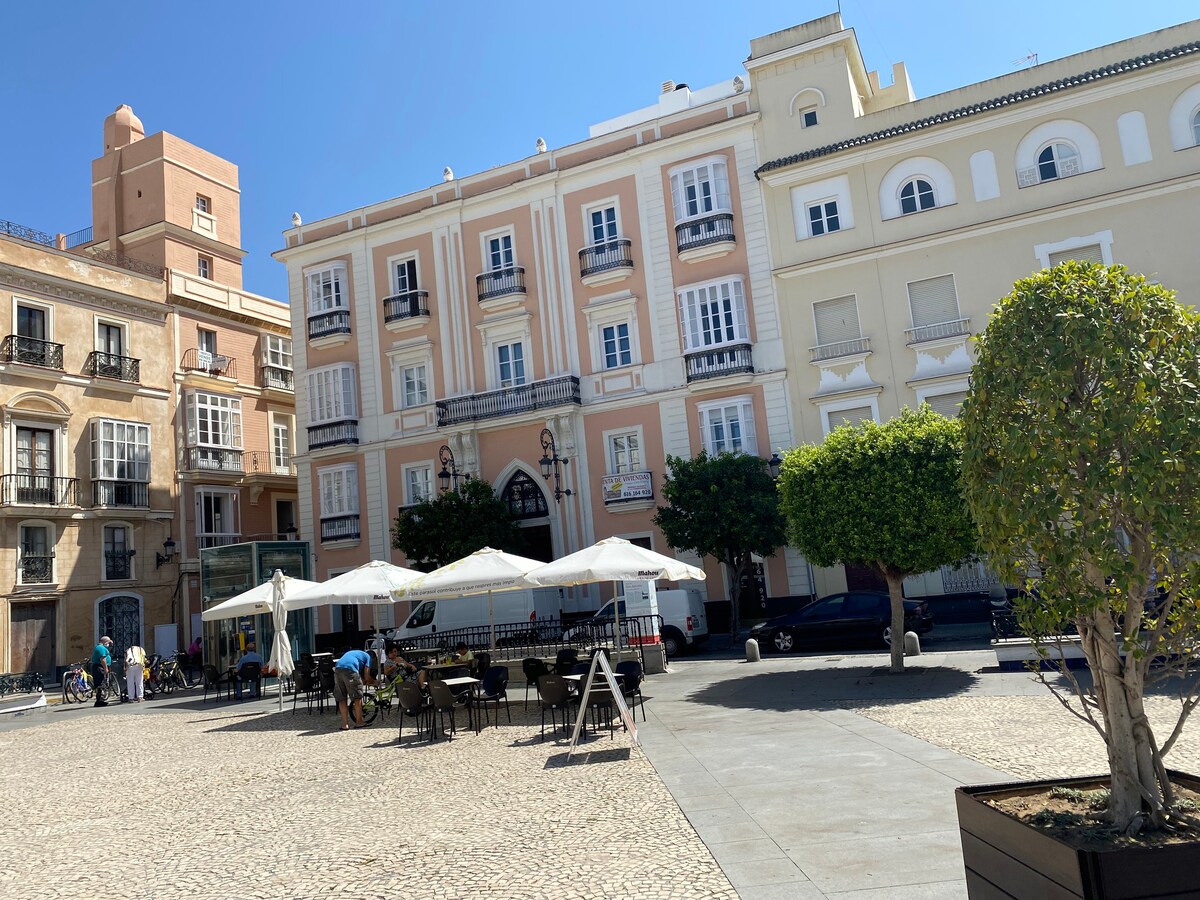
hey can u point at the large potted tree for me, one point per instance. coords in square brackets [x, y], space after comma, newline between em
[1081, 465]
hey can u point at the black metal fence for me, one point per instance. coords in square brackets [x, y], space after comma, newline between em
[112, 365]
[543, 394]
[409, 305]
[31, 352]
[605, 257]
[712, 229]
[718, 361]
[500, 283]
[324, 324]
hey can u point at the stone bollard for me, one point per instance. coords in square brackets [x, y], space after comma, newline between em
[752, 654]
[912, 644]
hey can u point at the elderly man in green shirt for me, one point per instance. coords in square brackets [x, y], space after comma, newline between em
[101, 663]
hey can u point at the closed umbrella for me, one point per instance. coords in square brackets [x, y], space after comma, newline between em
[281, 646]
[612, 559]
[484, 570]
[369, 584]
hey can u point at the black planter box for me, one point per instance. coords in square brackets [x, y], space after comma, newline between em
[1006, 858]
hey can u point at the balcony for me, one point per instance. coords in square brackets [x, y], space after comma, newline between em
[509, 401]
[120, 493]
[277, 378]
[706, 237]
[267, 462]
[39, 490]
[206, 541]
[410, 306]
[37, 569]
[340, 528]
[923, 333]
[197, 360]
[823, 352]
[500, 283]
[333, 433]
[605, 263]
[31, 352]
[213, 459]
[118, 565]
[110, 365]
[330, 324]
[718, 361]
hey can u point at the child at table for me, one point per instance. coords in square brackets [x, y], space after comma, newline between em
[463, 654]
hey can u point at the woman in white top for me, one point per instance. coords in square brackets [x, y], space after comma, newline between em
[135, 670]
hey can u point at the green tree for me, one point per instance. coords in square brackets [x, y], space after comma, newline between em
[887, 496]
[727, 507]
[455, 524]
[1082, 460]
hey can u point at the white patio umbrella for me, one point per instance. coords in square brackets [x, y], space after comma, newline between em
[612, 559]
[255, 601]
[369, 584]
[484, 570]
[281, 646]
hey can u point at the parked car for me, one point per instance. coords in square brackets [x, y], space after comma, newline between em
[854, 617]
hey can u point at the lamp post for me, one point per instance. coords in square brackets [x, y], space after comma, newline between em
[773, 466]
[291, 532]
[161, 559]
[552, 464]
[449, 475]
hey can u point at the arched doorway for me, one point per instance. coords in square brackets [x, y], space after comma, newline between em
[120, 617]
[528, 504]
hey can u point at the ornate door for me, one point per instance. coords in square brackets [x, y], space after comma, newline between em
[121, 619]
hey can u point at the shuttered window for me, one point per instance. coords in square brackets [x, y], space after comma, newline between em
[1090, 253]
[851, 416]
[949, 405]
[933, 301]
[837, 320]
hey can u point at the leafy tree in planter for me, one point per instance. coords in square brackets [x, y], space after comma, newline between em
[1082, 459]
[887, 496]
[724, 506]
[457, 523]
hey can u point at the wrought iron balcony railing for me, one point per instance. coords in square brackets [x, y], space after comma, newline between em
[938, 330]
[278, 378]
[839, 348]
[333, 433]
[25, 233]
[509, 401]
[500, 283]
[120, 493]
[213, 459]
[31, 352]
[37, 569]
[197, 360]
[267, 462]
[39, 490]
[718, 361]
[410, 305]
[82, 236]
[118, 564]
[716, 228]
[121, 261]
[336, 321]
[340, 528]
[605, 257]
[110, 365]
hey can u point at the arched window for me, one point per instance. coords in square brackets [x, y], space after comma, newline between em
[916, 195]
[1196, 127]
[524, 497]
[1057, 160]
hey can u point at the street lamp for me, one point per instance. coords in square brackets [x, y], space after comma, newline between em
[449, 474]
[291, 531]
[552, 464]
[773, 465]
[161, 559]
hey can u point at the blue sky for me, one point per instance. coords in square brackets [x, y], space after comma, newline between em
[327, 107]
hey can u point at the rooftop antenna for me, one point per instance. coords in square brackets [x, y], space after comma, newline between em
[1029, 60]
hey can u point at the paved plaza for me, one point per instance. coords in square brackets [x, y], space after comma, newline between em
[804, 777]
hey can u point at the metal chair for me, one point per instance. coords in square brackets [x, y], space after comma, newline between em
[412, 702]
[249, 675]
[446, 701]
[631, 683]
[215, 681]
[534, 669]
[493, 690]
[305, 683]
[553, 695]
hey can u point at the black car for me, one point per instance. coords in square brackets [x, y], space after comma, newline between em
[855, 617]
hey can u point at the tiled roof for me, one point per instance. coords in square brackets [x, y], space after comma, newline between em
[1053, 87]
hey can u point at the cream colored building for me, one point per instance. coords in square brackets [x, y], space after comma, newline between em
[148, 406]
[896, 223]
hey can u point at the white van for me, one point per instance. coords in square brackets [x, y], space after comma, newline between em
[684, 624]
[435, 616]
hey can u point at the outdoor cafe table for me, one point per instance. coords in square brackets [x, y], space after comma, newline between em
[573, 681]
[468, 683]
[437, 670]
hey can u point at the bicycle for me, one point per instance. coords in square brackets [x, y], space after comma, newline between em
[111, 687]
[77, 684]
[379, 699]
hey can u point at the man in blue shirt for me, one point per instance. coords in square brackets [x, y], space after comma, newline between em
[349, 673]
[101, 662]
[254, 677]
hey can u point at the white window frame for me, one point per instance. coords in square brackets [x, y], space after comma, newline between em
[805, 112]
[230, 431]
[407, 472]
[46, 308]
[274, 352]
[618, 364]
[204, 266]
[721, 203]
[200, 335]
[393, 264]
[915, 180]
[961, 386]
[1059, 131]
[141, 464]
[338, 298]
[804, 195]
[421, 396]
[835, 406]
[695, 299]
[821, 205]
[281, 422]
[600, 206]
[1103, 238]
[51, 548]
[498, 234]
[512, 363]
[204, 204]
[618, 309]
[927, 169]
[515, 328]
[332, 393]
[1052, 146]
[123, 327]
[337, 490]
[612, 437]
[129, 533]
[746, 421]
[230, 496]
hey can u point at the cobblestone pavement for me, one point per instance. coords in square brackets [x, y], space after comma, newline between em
[1028, 736]
[239, 801]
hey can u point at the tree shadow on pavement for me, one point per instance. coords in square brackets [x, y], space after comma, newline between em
[834, 688]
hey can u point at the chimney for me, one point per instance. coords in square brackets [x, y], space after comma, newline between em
[668, 86]
[122, 128]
